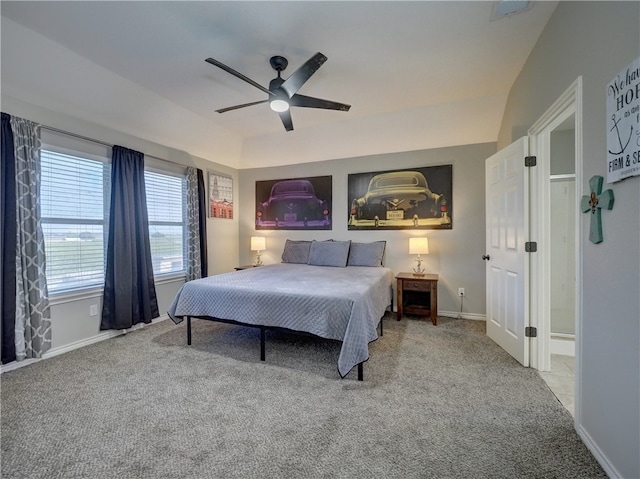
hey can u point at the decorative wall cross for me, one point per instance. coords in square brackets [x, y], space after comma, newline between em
[595, 202]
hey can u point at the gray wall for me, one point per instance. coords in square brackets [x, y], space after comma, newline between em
[454, 254]
[596, 40]
[563, 152]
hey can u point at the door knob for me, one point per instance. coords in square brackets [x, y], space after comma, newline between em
[486, 257]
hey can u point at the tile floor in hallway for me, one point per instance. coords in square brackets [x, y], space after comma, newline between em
[561, 379]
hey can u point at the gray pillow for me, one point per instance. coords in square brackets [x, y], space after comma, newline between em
[296, 252]
[329, 253]
[366, 254]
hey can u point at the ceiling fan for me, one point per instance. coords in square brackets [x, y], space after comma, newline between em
[283, 93]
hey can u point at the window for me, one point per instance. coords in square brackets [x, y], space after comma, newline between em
[166, 207]
[74, 206]
[73, 195]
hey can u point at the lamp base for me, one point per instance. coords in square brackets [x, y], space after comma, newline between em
[418, 270]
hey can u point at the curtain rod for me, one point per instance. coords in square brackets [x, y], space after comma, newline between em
[92, 140]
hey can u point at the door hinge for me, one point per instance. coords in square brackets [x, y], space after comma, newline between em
[530, 247]
[530, 332]
[529, 161]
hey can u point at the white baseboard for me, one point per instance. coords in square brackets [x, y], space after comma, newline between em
[457, 314]
[5, 368]
[563, 346]
[97, 338]
[597, 453]
[77, 344]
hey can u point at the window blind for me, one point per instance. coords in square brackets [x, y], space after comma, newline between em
[73, 195]
[74, 202]
[166, 195]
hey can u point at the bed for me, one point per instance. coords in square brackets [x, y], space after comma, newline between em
[344, 302]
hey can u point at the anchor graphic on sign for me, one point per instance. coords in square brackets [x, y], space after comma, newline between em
[595, 202]
[615, 125]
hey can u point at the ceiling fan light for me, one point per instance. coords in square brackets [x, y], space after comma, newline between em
[279, 105]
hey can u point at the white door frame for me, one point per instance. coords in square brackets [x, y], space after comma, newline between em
[569, 103]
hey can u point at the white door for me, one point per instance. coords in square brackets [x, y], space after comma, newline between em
[506, 186]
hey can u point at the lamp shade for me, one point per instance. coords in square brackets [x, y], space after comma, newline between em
[258, 243]
[418, 246]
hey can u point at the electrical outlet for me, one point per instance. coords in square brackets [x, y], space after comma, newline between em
[460, 291]
[93, 310]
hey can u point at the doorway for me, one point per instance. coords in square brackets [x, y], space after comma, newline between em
[555, 294]
[562, 214]
[563, 210]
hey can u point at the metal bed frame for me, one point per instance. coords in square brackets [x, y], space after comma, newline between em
[275, 328]
[262, 335]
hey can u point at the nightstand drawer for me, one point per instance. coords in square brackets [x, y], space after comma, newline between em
[409, 285]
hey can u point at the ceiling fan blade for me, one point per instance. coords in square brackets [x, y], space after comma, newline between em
[285, 116]
[237, 74]
[229, 108]
[298, 78]
[311, 102]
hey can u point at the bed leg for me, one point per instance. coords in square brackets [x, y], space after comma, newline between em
[189, 330]
[360, 372]
[381, 327]
[262, 355]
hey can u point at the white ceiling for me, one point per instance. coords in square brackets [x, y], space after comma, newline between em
[417, 74]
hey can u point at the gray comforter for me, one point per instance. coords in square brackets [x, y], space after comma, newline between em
[345, 304]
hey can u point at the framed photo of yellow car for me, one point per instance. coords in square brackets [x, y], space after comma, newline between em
[412, 198]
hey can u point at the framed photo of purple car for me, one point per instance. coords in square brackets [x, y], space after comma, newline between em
[413, 198]
[294, 204]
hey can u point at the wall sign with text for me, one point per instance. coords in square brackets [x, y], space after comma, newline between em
[623, 124]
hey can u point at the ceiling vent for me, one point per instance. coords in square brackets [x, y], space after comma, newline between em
[507, 8]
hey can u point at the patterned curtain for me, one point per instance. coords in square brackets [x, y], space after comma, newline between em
[129, 289]
[194, 263]
[33, 325]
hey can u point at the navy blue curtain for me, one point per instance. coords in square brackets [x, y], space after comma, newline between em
[8, 235]
[202, 201]
[129, 290]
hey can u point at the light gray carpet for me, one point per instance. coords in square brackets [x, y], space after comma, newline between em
[437, 401]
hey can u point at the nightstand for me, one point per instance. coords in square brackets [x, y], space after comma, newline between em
[417, 295]
[246, 266]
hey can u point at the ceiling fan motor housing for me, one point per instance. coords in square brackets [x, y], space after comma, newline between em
[278, 63]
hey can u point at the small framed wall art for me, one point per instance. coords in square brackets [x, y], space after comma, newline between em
[220, 196]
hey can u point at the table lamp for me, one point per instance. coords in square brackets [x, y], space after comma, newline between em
[258, 243]
[418, 246]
